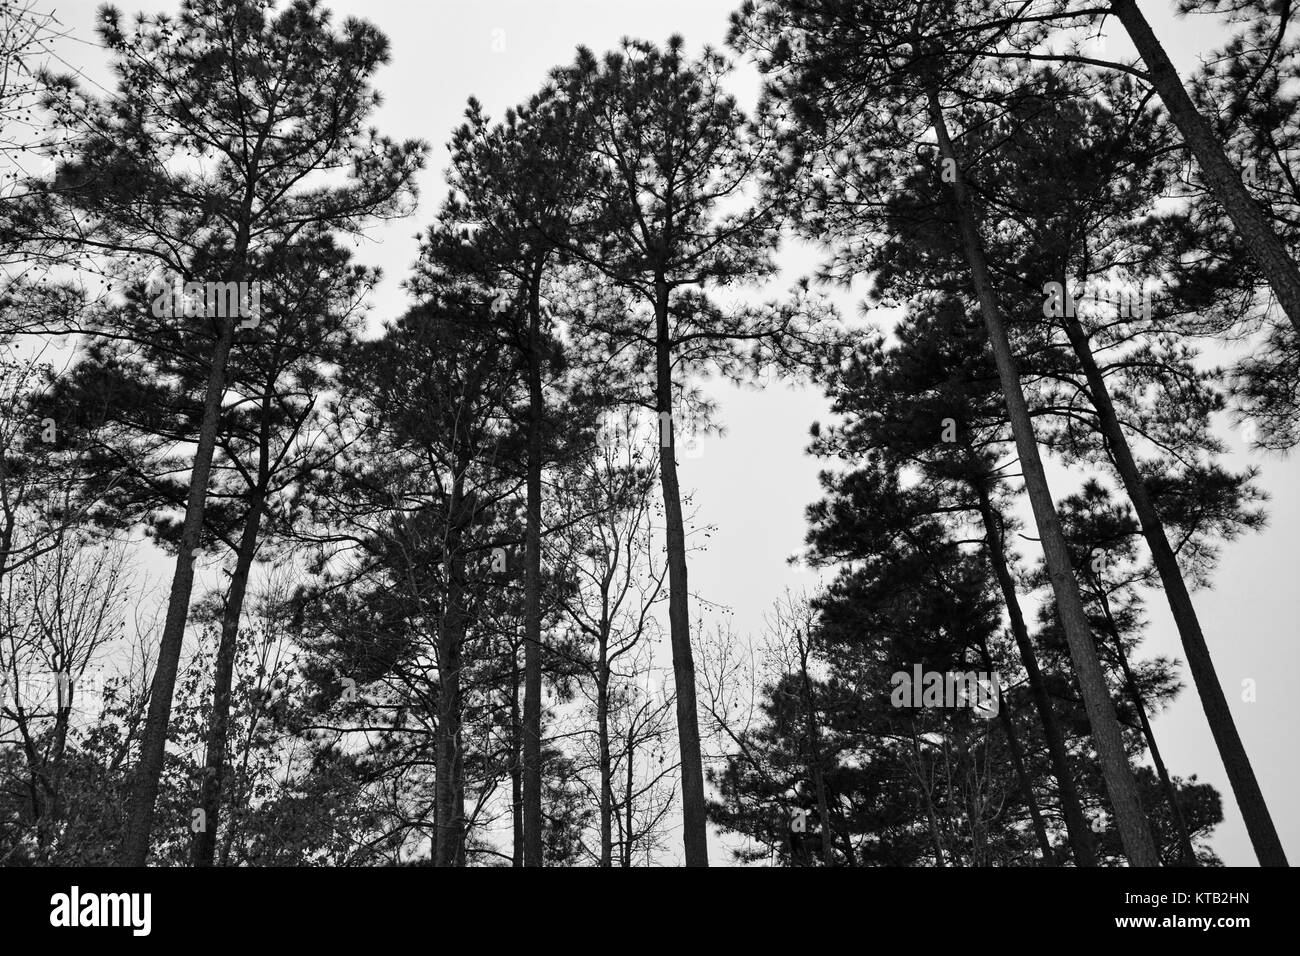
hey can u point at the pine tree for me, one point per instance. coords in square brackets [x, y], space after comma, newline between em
[900, 53]
[264, 100]
[515, 189]
[671, 152]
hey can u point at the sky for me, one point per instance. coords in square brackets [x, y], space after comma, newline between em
[755, 480]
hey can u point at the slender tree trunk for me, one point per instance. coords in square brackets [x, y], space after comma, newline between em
[533, 590]
[628, 791]
[1135, 834]
[606, 768]
[814, 751]
[57, 766]
[214, 764]
[35, 776]
[516, 764]
[694, 830]
[1018, 765]
[1076, 824]
[939, 858]
[449, 814]
[134, 849]
[1257, 233]
[239, 797]
[970, 790]
[458, 810]
[1026, 786]
[1135, 694]
[45, 773]
[1250, 799]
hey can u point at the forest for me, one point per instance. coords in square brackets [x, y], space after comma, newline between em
[291, 579]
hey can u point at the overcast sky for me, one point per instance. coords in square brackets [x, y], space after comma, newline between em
[754, 482]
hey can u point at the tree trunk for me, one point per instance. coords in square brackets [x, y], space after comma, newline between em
[1257, 233]
[924, 787]
[35, 776]
[516, 764]
[814, 751]
[532, 590]
[1018, 765]
[1135, 834]
[214, 764]
[628, 792]
[694, 830]
[606, 768]
[458, 797]
[1250, 799]
[449, 814]
[1076, 824]
[56, 765]
[970, 790]
[134, 848]
[1135, 694]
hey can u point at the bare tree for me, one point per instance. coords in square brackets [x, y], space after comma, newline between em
[60, 615]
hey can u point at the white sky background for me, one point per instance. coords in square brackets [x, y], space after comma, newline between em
[753, 482]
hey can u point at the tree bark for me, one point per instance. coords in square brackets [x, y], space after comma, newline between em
[628, 796]
[449, 815]
[532, 784]
[1259, 237]
[1076, 824]
[1018, 765]
[56, 765]
[814, 751]
[1135, 694]
[516, 764]
[606, 768]
[134, 849]
[1250, 799]
[458, 797]
[1135, 834]
[924, 787]
[214, 764]
[694, 829]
